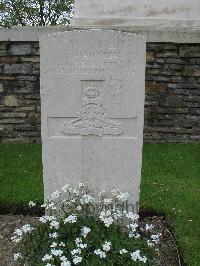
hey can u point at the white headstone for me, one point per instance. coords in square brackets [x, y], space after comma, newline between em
[92, 93]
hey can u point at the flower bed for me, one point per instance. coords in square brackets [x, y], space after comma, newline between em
[82, 230]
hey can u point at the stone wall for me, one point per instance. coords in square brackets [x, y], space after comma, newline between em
[19, 92]
[172, 107]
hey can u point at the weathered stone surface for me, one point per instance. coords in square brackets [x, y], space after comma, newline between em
[7, 78]
[158, 13]
[191, 71]
[3, 52]
[30, 59]
[11, 101]
[25, 108]
[167, 54]
[176, 61]
[9, 60]
[154, 87]
[93, 122]
[149, 57]
[25, 128]
[36, 51]
[17, 69]
[189, 51]
[13, 115]
[12, 121]
[20, 49]
[174, 101]
[3, 46]
[1, 88]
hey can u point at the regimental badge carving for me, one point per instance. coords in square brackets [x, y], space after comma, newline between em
[91, 119]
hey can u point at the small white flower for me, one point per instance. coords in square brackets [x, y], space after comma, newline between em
[75, 192]
[136, 256]
[16, 239]
[155, 238]
[43, 219]
[86, 199]
[123, 196]
[78, 241]
[47, 257]
[76, 251]
[53, 245]
[54, 224]
[106, 246]
[62, 244]
[115, 192]
[133, 227]
[51, 206]
[70, 219]
[108, 221]
[18, 232]
[77, 259]
[27, 228]
[107, 201]
[32, 204]
[132, 216]
[65, 263]
[149, 227]
[17, 256]
[73, 200]
[136, 236]
[56, 252]
[131, 234]
[65, 188]
[78, 208]
[53, 235]
[82, 246]
[150, 244]
[106, 218]
[55, 195]
[101, 193]
[100, 253]
[85, 230]
[81, 185]
[123, 251]
[63, 258]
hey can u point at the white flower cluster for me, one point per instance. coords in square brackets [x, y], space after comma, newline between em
[136, 256]
[123, 251]
[17, 256]
[106, 218]
[32, 204]
[154, 240]
[149, 227]
[73, 204]
[84, 231]
[86, 199]
[100, 253]
[105, 248]
[19, 233]
[70, 219]
[121, 196]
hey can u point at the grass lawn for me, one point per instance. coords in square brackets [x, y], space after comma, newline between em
[170, 184]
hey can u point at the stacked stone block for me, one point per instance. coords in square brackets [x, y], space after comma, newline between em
[172, 93]
[19, 92]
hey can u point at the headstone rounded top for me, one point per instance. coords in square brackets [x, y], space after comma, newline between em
[103, 32]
